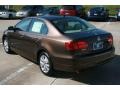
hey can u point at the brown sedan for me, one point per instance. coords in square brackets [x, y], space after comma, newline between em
[59, 43]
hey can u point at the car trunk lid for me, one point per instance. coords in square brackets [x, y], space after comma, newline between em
[97, 40]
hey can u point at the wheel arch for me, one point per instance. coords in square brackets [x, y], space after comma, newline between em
[39, 52]
[4, 36]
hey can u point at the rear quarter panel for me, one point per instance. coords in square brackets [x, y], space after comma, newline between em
[56, 46]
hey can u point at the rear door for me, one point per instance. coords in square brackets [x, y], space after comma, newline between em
[32, 38]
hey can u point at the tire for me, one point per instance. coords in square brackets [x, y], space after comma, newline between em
[6, 45]
[45, 64]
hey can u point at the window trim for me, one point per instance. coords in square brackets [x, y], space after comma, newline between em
[28, 25]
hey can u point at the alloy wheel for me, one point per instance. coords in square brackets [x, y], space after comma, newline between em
[44, 64]
[6, 47]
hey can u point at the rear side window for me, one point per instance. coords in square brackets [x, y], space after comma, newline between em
[24, 24]
[44, 29]
[39, 27]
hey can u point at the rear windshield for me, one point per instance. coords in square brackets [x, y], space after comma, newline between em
[70, 25]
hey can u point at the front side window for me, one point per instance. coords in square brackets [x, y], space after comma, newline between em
[70, 25]
[24, 24]
[39, 27]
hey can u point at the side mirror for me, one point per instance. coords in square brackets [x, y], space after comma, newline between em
[11, 28]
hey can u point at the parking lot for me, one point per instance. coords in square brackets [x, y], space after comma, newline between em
[15, 69]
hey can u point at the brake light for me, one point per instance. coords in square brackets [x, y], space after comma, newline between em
[62, 12]
[110, 39]
[83, 45]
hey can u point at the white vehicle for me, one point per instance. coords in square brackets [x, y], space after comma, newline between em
[118, 15]
[5, 13]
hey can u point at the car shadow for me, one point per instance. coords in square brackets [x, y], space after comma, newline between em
[107, 74]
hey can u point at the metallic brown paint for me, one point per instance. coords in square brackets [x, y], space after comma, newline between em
[29, 45]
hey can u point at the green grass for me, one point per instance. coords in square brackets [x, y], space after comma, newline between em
[17, 7]
[112, 8]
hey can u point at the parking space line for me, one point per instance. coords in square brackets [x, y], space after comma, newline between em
[53, 81]
[13, 75]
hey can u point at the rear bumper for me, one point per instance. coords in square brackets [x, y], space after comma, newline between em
[4, 16]
[78, 63]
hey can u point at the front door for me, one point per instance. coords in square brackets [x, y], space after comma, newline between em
[17, 37]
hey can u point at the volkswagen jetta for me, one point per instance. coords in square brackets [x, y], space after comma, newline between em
[59, 43]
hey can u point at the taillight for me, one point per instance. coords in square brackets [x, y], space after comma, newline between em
[110, 39]
[80, 45]
[62, 12]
